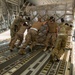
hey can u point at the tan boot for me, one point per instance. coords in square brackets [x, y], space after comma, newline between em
[30, 48]
[52, 58]
[11, 48]
[22, 51]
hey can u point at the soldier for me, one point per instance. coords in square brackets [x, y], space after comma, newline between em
[32, 35]
[61, 42]
[52, 33]
[18, 36]
[15, 26]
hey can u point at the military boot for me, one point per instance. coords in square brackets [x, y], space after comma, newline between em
[11, 47]
[22, 51]
[57, 59]
[30, 48]
[52, 58]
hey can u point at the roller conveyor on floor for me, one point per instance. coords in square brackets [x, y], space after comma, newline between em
[36, 62]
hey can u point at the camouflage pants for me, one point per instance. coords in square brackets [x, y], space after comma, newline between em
[17, 37]
[31, 37]
[60, 45]
[51, 39]
[12, 34]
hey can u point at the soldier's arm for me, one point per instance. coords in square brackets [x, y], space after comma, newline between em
[44, 22]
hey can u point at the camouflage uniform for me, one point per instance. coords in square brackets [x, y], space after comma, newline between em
[18, 36]
[61, 42]
[15, 27]
[31, 36]
[52, 34]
